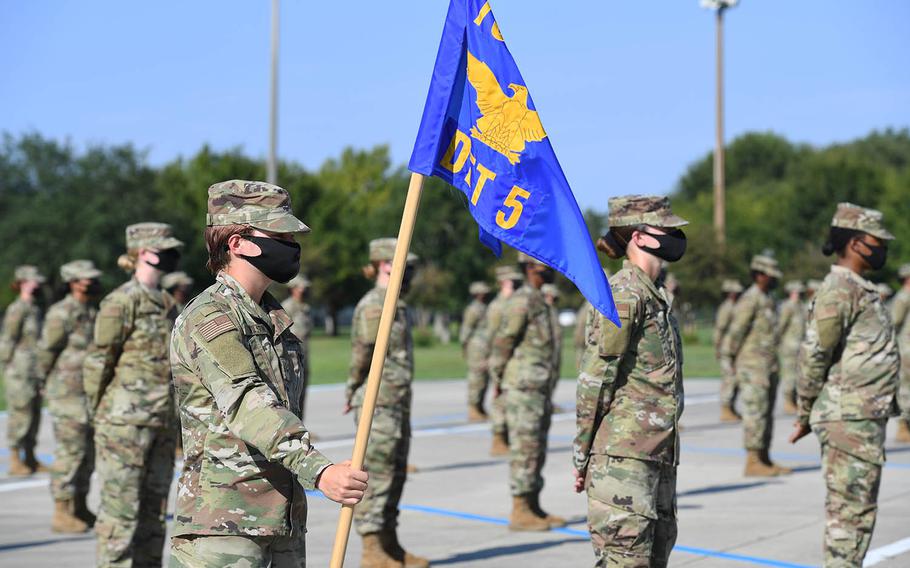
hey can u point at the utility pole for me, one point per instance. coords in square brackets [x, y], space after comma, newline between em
[720, 220]
[271, 174]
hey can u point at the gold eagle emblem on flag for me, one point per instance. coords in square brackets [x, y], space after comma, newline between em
[506, 123]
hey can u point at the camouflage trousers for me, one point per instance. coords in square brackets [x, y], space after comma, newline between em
[498, 415]
[387, 462]
[788, 374]
[135, 469]
[729, 388]
[903, 397]
[852, 459]
[478, 376]
[215, 551]
[631, 511]
[306, 381]
[528, 415]
[759, 388]
[74, 454]
[23, 404]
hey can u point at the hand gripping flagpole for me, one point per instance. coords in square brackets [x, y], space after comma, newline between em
[389, 309]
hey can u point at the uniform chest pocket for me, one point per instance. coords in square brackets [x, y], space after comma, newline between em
[151, 332]
[654, 343]
[872, 325]
[267, 361]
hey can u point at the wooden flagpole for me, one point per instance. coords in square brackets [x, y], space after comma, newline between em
[389, 308]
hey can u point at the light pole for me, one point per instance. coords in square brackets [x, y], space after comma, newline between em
[720, 221]
[271, 169]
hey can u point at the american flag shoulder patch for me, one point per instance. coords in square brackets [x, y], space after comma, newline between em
[215, 327]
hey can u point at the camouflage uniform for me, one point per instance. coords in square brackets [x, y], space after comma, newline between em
[791, 329]
[65, 338]
[127, 385]
[494, 320]
[18, 347]
[579, 336]
[475, 343]
[238, 375]
[550, 290]
[174, 280]
[848, 377]
[750, 348]
[728, 387]
[900, 314]
[299, 312]
[390, 434]
[521, 363]
[629, 402]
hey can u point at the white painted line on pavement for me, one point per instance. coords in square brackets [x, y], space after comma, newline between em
[883, 553]
[17, 485]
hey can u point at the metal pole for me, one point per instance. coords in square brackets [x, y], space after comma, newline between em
[271, 174]
[720, 223]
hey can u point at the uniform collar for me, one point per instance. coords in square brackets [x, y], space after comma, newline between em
[269, 311]
[849, 274]
[645, 281]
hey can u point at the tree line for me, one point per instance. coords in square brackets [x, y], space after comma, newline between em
[58, 203]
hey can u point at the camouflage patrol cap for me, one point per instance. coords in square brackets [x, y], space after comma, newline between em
[766, 265]
[904, 271]
[730, 286]
[885, 290]
[258, 204]
[850, 216]
[158, 236]
[478, 288]
[384, 249]
[508, 273]
[174, 279]
[550, 290]
[79, 270]
[524, 258]
[631, 210]
[299, 281]
[795, 286]
[28, 272]
[813, 285]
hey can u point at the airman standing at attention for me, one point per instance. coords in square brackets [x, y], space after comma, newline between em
[509, 279]
[386, 459]
[127, 384]
[179, 285]
[475, 345]
[750, 349]
[900, 313]
[298, 309]
[728, 387]
[791, 329]
[521, 368]
[848, 379]
[18, 348]
[65, 338]
[583, 318]
[551, 297]
[630, 394]
[237, 370]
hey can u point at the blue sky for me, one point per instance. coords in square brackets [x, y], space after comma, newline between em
[625, 89]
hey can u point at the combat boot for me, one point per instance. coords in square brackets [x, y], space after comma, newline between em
[32, 462]
[554, 521]
[781, 470]
[903, 431]
[17, 467]
[64, 521]
[523, 517]
[755, 467]
[727, 414]
[500, 446]
[476, 414]
[81, 510]
[374, 556]
[389, 540]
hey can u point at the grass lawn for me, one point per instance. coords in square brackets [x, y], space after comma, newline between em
[330, 357]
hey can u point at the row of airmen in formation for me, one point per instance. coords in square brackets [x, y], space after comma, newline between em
[230, 373]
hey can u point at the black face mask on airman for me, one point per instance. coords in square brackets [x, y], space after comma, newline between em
[278, 260]
[877, 256]
[672, 245]
[168, 259]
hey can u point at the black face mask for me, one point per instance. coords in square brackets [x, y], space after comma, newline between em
[168, 259]
[406, 279]
[672, 245]
[773, 284]
[279, 260]
[548, 276]
[877, 257]
[94, 289]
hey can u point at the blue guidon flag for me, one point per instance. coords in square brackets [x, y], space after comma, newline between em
[481, 133]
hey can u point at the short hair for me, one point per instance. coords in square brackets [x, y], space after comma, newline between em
[216, 239]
